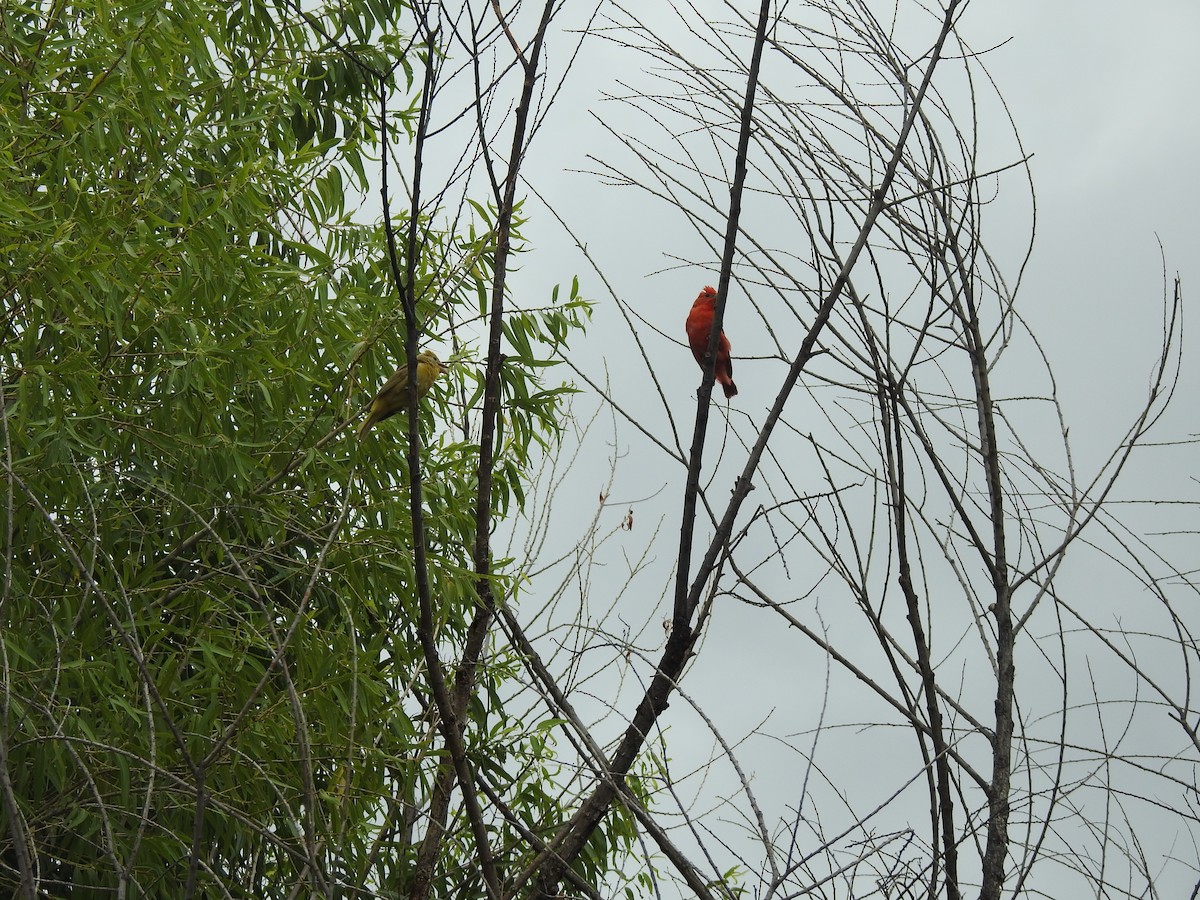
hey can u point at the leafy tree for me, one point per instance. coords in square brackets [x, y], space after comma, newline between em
[217, 674]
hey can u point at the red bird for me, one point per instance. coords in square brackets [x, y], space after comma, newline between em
[699, 327]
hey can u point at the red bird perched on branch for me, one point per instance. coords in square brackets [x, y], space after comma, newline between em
[699, 327]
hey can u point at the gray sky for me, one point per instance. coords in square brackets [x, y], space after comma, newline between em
[1104, 100]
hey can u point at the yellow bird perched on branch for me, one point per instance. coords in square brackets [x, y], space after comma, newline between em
[393, 396]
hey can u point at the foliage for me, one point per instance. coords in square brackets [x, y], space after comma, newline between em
[210, 670]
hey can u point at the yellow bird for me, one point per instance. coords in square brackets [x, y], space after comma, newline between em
[393, 396]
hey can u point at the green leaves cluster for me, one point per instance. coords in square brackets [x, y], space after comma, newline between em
[210, 672]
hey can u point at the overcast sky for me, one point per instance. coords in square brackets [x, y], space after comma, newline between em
[1104, 98]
